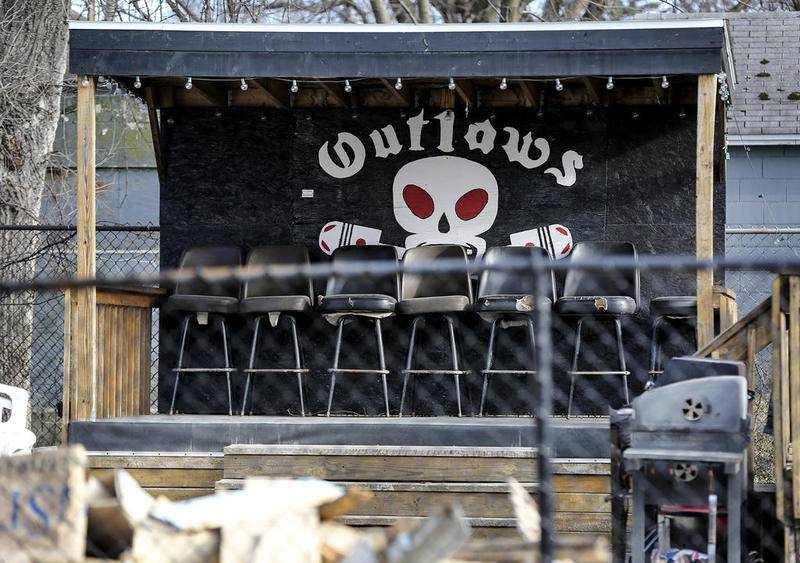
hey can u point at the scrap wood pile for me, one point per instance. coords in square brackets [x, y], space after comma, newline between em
[70, 517]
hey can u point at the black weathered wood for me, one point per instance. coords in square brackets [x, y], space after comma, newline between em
[396, 42]
[236, 179]
[467, 64]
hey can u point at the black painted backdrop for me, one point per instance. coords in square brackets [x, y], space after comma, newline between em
[236, 178]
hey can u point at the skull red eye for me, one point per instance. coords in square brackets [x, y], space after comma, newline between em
[418, 201]
[471, 204]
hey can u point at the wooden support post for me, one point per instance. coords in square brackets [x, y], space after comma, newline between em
[793, 327]
[704, 214]
[84, 358]
[780, 424]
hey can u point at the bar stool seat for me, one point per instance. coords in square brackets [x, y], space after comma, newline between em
[276, 304]
[674, 306]
[203, 303]
[357, 303]
[505, 304]
[436, 304]
[596, 305]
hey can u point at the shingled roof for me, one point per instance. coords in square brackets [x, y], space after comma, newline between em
[766, 54]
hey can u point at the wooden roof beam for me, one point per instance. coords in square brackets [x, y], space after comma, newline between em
[404, 96]
[592, 89]
[466, 91]
[334, 91]
[276, 93]
[213, 94]
[529, 94]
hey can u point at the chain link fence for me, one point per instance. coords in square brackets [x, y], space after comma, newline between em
[751, 288]
[32, 350]
[515, 350]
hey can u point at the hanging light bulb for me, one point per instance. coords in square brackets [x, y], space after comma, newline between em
[243, 85]
[503, 84]
[589, 112]
[85, 81]
[664, 82]
[635, 114]
[559, 86]
[399, 84]
[137, 83]
[347, 87]
[295, 88]
[610, 83]
[452, 84]
[682, 113]
[188, 84]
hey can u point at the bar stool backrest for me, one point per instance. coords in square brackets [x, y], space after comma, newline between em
[435, 284]
[209, 257]
[347, 283]
[278, 255]
[602, 282]
[512, 282]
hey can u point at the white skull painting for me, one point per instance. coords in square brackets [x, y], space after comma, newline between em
[445, 199]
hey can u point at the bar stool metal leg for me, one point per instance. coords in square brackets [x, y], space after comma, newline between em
[251, 363]
[382, 362]
[621, 354]
[227, 363]
[409, 362]
[489, 362]
[454, 352]
[534, 382]
[180, 362]
[298, 362]
[339, 331]
[575, 355]
[655, 350]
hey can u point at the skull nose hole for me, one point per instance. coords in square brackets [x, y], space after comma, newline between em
[444, 225]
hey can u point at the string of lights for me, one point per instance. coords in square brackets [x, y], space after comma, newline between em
[295, 84]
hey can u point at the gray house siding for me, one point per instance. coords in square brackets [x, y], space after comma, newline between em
[763, 186]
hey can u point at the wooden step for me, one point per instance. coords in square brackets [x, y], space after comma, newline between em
[477, 499]
[176, 477]
[562, 522]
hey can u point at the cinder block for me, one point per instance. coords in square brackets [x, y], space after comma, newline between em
[762, 190]
[742, 167]
[782, 167]
[737, 213]
[793, 190]
[783, 214]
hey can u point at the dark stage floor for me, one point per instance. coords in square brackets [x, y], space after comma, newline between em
[574, 438]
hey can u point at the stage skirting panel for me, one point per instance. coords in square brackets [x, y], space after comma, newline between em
[411, 465]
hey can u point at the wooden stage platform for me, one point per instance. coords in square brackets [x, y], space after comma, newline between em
[410, 464]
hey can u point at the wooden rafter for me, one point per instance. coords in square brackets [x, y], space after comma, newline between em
[404, 96]
[213, 94]
[276, 93]
[592, 89]
[155, 131]
[529, 94]
[334, 91]
[466, 91]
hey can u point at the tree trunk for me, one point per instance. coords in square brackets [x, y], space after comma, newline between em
[33, 45]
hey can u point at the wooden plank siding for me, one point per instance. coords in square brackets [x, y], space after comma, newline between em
[408, 483]
[176, 477]
[123, 346]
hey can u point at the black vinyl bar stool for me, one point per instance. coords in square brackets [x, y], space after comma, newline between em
[506, 298]
[275, 298]
[202, 301]
[670, 308]
[348, 296]
[441, 294]
[602, 295]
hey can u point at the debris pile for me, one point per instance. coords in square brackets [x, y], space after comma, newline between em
[267, 521]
